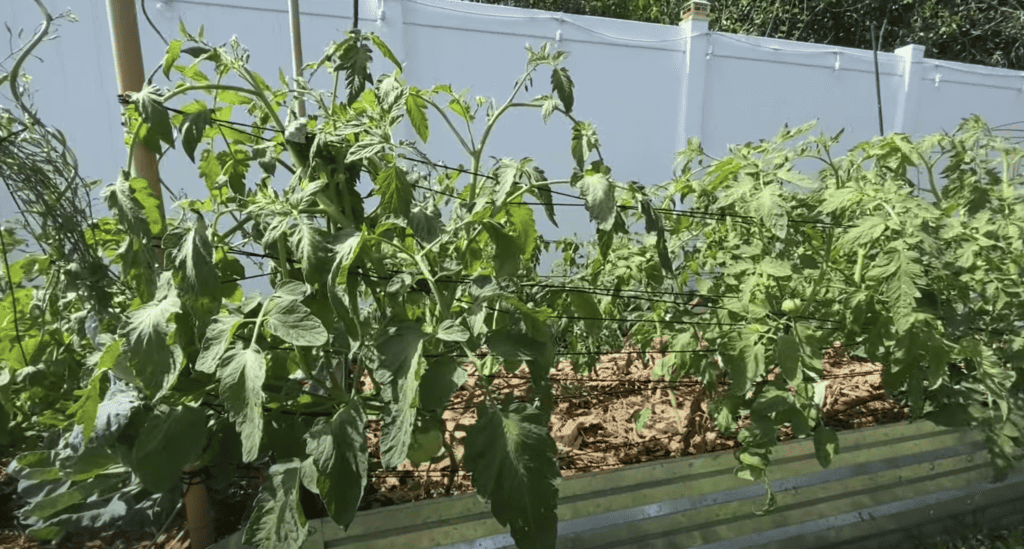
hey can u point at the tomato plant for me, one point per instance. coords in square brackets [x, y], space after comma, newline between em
[182, 367]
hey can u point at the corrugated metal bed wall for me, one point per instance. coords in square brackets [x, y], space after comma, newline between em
[889, 486]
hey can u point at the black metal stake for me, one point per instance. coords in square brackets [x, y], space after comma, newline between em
[878, 83]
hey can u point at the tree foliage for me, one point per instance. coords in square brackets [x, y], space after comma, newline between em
[983, 32]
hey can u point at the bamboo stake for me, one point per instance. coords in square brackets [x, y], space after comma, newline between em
[124, 34]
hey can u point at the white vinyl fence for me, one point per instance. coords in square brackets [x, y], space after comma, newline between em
[646, 87]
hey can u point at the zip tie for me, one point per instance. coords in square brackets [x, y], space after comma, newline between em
[836, 69]
[711, 50]
[938, 77]
[193, 478]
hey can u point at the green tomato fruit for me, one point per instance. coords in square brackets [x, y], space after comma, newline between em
[425, 444]
[790, 305]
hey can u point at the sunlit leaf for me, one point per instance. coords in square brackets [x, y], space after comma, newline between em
[277, 519]
[294, 323]
[416, 108]
[217, 341]
[584, 141]
[597, 189]
[339, 451]
[449, 330]
[511, 455]
[151, 109]
[146, 332]
[395, 193]
[241, 377]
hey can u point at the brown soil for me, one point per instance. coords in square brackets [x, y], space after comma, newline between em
[593, 425]
[593, 421]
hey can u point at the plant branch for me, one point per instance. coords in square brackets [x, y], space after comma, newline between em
[16, 68]
[458, 135]
[14, 300]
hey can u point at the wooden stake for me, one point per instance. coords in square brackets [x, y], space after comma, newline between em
[124, 34]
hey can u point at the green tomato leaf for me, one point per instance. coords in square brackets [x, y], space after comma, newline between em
[826, 445]
[511, 455]
[308, 242]
[450, 330]
[290, 290]
[438, 383]
[562, 86]
[193, 127]
[151, 110]
[641, 419]
[146, 331]
[599, 193]
[400, 370]
[192, 260]
[123, 203]
[339, 453]
[241, 387]
[416, 108]
[789, 357]
[542, 192]
[85, 408]
[775, 267]
[115, 412]
[507, 250]
[584, 141]
[170, 440]
[385, 51]
[744, 359]
[348, 242]
[953, 415]
[585, 305]
[109, 356]
[397, 423]
[507, 174]
[399, 349]
[294, 323]
[27, 269]
[427, 441]
[354, 60]
[217, 341]
[277, 520]
[151, 206]
[52, 504]
[36, 465]
[548, 104]
[395, 193]
[461, 108]
[521, 218]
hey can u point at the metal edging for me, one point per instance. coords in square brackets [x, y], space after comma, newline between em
[615, 519]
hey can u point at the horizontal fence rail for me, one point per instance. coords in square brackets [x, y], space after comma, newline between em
[889, 486]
